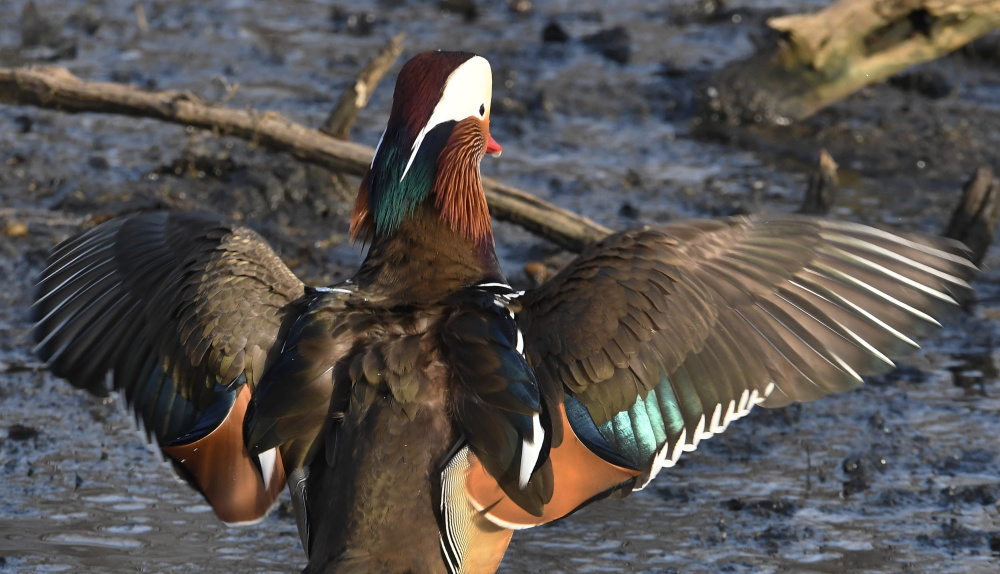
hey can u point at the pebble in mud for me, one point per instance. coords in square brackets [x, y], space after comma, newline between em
[554, 33]
[614, 44]
[965, 460]
[982, 494]
[355, 23]
[14, 229]
[629, 210]
[467, 9]
[861, 472]
[765, 507]
[21, 432]
[953, 534]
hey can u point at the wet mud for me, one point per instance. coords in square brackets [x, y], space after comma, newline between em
[598, 111]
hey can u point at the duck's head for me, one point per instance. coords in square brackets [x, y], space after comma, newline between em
[438, 131]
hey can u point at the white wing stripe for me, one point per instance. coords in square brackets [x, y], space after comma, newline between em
[530, 451]
[267, 460]
[715, 427]
[745, 404]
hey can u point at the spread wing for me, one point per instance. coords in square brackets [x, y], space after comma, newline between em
[188, 312]
[665, 335]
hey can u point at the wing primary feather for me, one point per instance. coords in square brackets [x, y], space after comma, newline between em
[879, 250]
[812, 344]
[778, 348]
[74, 274]
[847, 278]
[72, 299]
[92, 318]
[858, 309]
[846, 255]
[898, 239]
[809, 306]
[297, 484]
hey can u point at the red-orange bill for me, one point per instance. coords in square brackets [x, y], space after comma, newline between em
[492, 147]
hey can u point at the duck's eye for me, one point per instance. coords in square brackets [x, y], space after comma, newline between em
[482, 109]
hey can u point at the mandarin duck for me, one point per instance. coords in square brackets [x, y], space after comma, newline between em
[423, 410]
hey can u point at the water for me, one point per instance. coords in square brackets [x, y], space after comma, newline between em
[80, 490]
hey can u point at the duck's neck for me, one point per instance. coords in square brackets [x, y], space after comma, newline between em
[425, 260]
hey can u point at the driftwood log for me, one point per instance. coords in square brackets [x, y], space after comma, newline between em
[817, 59]
[57, 88]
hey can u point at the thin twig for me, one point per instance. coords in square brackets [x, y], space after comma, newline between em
[47, 217]
[338, 123]
[12, 367]
[56, 88]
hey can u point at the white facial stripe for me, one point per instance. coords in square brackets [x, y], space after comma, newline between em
[467, 88]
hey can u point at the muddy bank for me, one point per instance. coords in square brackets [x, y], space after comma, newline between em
[595, 110]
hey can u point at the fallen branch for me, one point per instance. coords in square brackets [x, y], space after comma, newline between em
[338, 123]
[13, 367]
[56, 88]
[820, 58]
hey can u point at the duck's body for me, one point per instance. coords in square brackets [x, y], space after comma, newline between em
[423, 410]
[393, 432]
